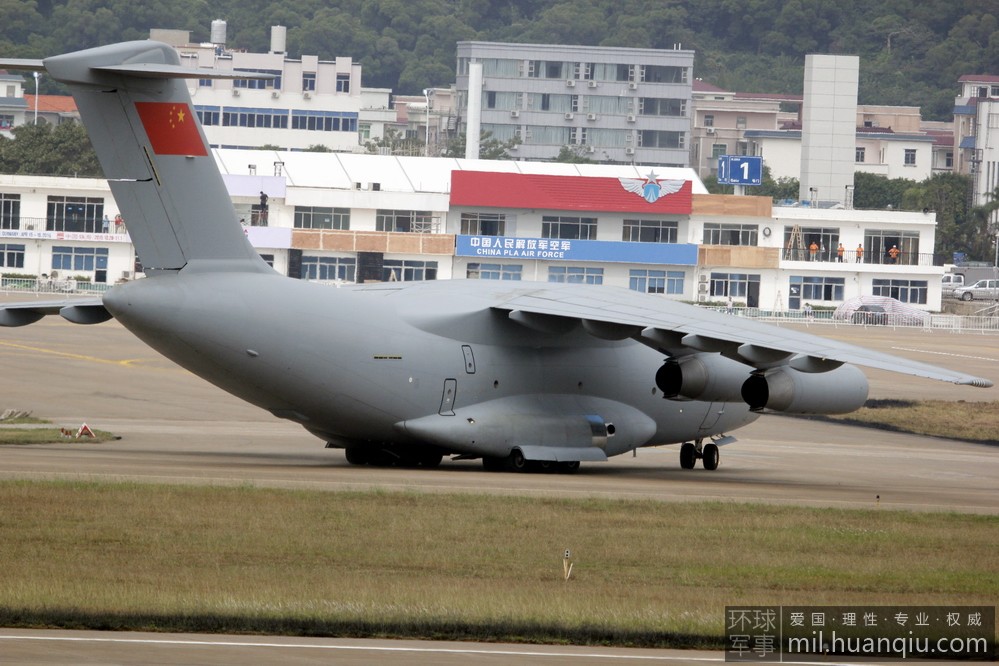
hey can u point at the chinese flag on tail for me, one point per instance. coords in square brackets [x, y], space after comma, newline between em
[171, 128]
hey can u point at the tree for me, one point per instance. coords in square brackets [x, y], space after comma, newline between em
[44, 150]
[490, 148]
[573, 155]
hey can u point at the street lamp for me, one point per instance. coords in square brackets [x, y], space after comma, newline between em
[426, 96]
[37, 76]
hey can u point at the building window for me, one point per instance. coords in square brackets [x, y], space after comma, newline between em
[308, 81]
[813, 288]
[490, 99]
[415, 221]
[740, 122]
[74, 214]
[799, 248]
[650, 231]
[735, 285]
[910, 157]
[396, 270]
[730, 234]
[11, 256]
[573, 228]
[317, 217]
[258, 84]
[324, 121]
[10, 211]
[664, 74]
[209, 115]
[860, 155]
[949, 160]
[494, 271]
[660, 139]
[906, 291]
[656, 282]
[364, 131]
[576, 274]
[483, 224]
[652, 106]
[880, 243]
[709, 120]
[343, 83]
[329, 268]
[6, 120]
[718, 149]
[79, 258]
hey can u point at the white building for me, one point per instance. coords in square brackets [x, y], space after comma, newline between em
[613, 105]
[339, 217]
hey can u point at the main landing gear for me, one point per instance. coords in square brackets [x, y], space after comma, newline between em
[707, 453]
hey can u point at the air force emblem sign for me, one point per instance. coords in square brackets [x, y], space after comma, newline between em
[651, 188]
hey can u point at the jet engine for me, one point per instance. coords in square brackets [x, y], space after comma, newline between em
[785, 389]
[708, 377]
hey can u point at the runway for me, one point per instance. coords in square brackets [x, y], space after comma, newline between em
[176, 428]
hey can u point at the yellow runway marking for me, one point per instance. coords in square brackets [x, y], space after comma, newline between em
[80, 357]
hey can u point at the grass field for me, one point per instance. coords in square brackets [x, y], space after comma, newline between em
[968, 421]
[247, 559]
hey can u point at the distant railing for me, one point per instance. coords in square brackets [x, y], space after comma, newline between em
[850, 257]
[929, 321]
[46, 285]
[77, 225]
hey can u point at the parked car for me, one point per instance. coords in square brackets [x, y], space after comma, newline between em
[870, 314]
[983, 290]
[949, 282]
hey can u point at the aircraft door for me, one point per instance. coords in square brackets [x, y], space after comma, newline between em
[447, 397]
[715, 410]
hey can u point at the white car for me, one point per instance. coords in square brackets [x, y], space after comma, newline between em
[983, 289]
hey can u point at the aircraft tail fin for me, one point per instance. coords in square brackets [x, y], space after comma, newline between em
[136, 107]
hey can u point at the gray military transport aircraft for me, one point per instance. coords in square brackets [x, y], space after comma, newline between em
[522, 375]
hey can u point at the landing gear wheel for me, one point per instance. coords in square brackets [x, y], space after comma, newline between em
[356, 455]
[688, 456]
[491, 464]
[568, 467]
[516, 461]
[431, 460]
[711, 456]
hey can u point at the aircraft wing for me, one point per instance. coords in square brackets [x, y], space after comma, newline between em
[680, 329]
[76, 310]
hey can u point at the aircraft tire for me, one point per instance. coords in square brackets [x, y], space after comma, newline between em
[568, 467]
[431, 460]
[711, 456]
[493, 464]
[356, 455]
[516, 461]
[688, 456]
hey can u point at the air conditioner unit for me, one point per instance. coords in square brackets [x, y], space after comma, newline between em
[126, 275]
[515, 114]
[702, 278]
[631, 118]
[702, 288]
[632, 85]
[591, 149]
[629, 151]
[275, 94]
[592, 84]
[591, 116]
[571, 83]
[709, 130]
[306, 95]
[702, 297]
[235, 92]
[569, 116]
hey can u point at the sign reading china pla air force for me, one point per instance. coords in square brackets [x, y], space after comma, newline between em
[740, 170]
[556, 249]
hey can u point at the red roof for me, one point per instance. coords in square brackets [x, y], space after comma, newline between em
[576, 193]
[52, 103]
[979, 78]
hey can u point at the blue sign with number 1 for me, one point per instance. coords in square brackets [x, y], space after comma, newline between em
[740, 170]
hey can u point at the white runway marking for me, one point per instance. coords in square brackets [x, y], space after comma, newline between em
[366, 648]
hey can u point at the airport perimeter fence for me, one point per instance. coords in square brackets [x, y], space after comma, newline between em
[45, 285]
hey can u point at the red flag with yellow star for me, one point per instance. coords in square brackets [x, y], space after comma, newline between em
[171, 128]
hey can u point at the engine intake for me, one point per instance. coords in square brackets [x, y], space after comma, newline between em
[710, 377]
[785, 389]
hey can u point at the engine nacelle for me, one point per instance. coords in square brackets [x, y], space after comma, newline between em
[788, 390]
[709, 377]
